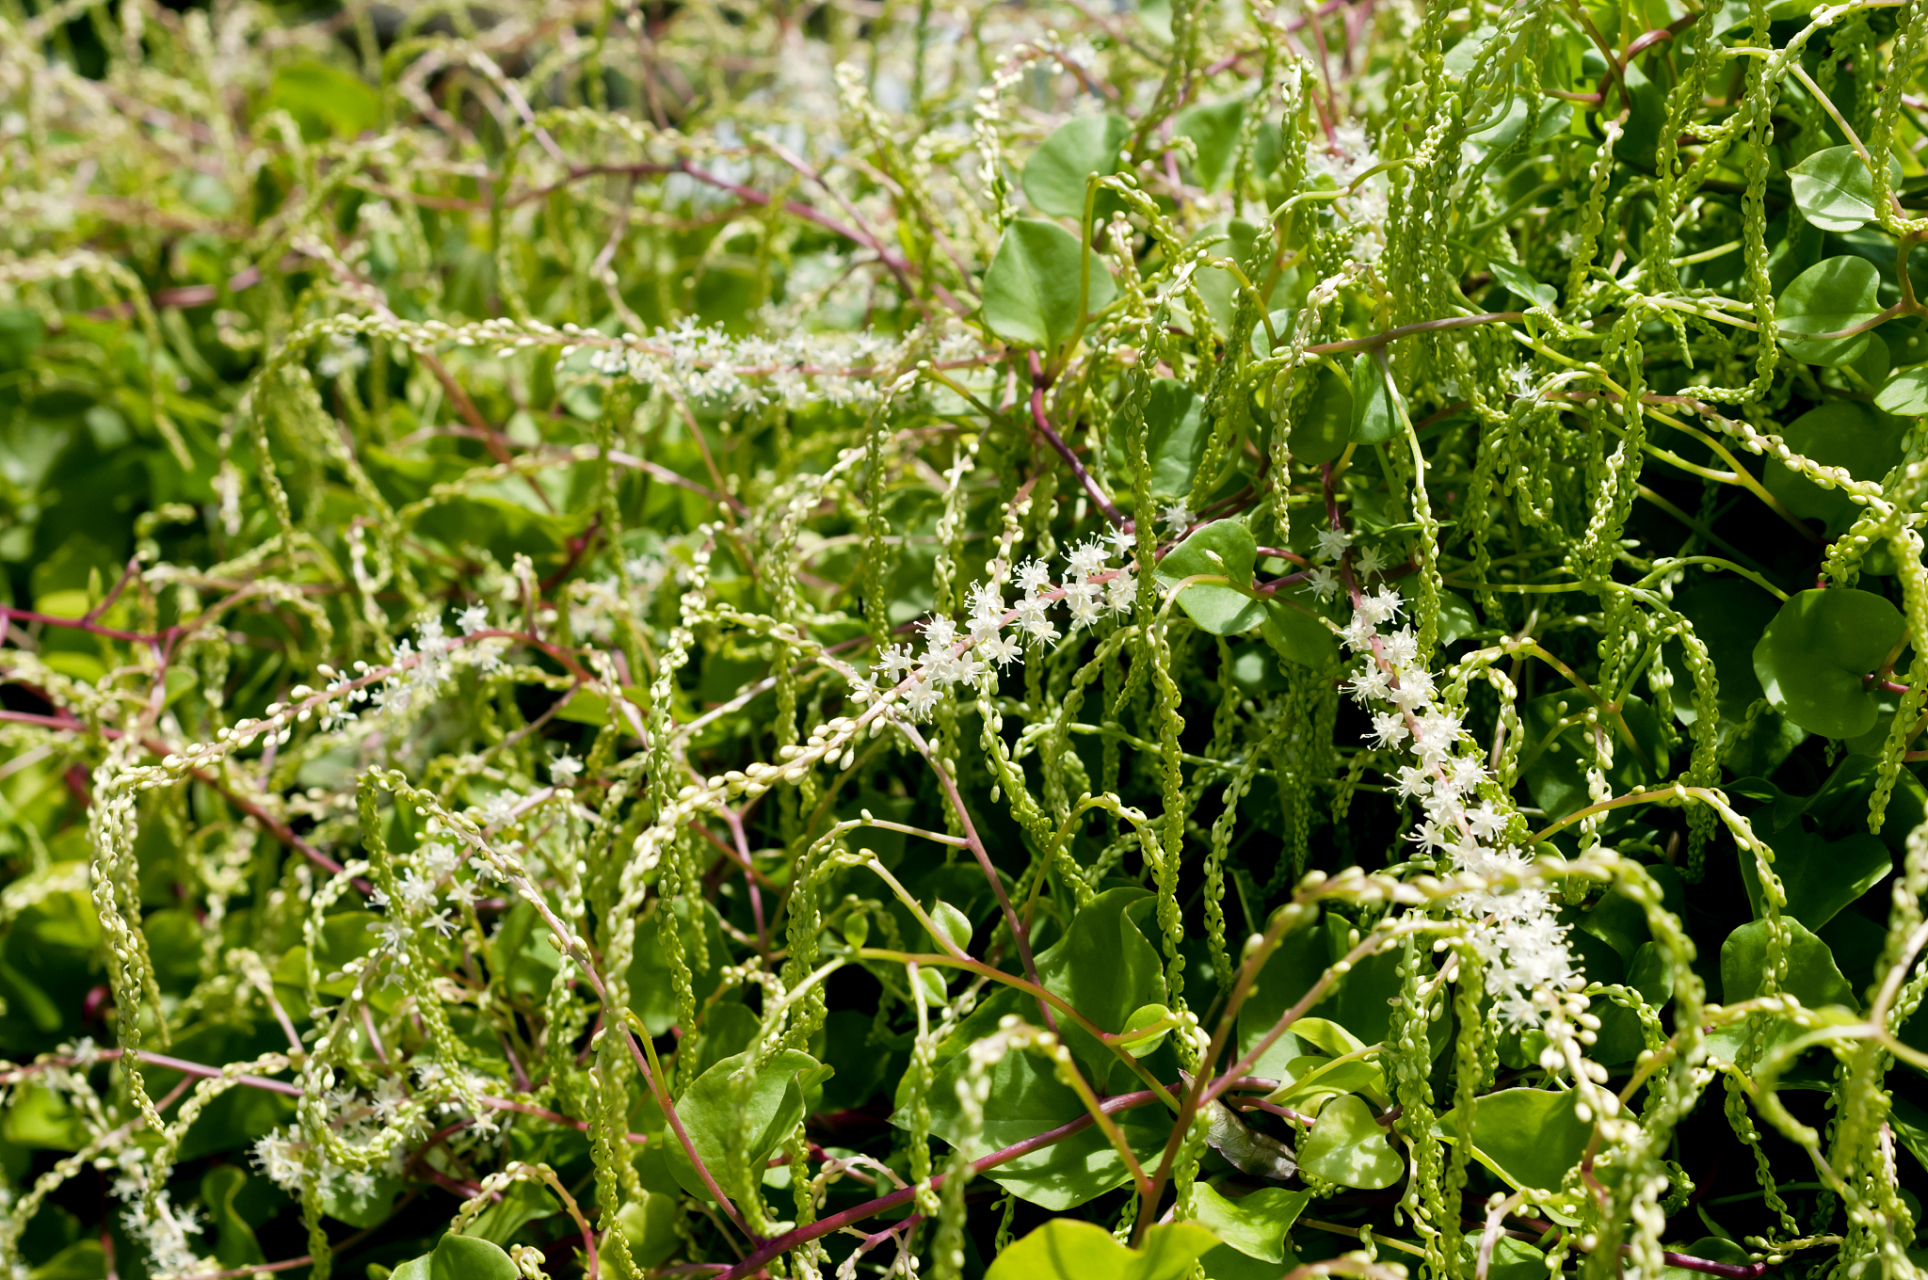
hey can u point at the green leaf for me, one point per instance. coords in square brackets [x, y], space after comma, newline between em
[953, 924]
[1325, 427]
[522, 1202]
[1348, 1145]
[1213, 127]
[652, 993]
[1812, 976]
[1524, 285]
[1105, 968]
[235, 1245]
[1143, 1018]
[466, 1258]
[1530, 1137]
[1559, 753]
[81, 1260]
[1224, 548]
[459, 1258]
[1906, 392]
[1374, 418]
[1297, 634]
[1253, 1224]
[1055, 175]
[325, 100]
[1811, 659]
[1031, 288]
[1314, 1080]
[649, 1225]
[750, 1116]
[1840, 433]
[1834, 189]
[1069, 1249]
[1175, 439]
[1820, 876]
[1832, 295]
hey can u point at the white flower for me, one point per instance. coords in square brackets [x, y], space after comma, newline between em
[939, 633]
[896, 662]
[1087, 560]
[415, 891]
[1177, 518]
[920, 700]
[1035, 621]
[1000, 649]
[1082, 598]
[391, 936]
[1388, 729]
[1323, 581]
[1034, 576]
[1370, 561]
[473, 619]
[564, 770]
[1122, 591]
[1123, 541]
[1333, 543]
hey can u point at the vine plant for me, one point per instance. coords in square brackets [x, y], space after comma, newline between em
[1032, 640]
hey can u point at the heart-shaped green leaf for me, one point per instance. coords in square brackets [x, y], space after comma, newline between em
[1834, 189]
[1055, 175]
[1324, 425]
[1840, 433]
[1522, 284]
[1225, 549]
[459, 1258]
[1374, 418]
[1830, 296]
[753, 1115]
[1070, 1249]
[1819, 876]
[1031, 288]
[1348, 1146]
[1814, 654]
[1530, 1137]
[1905, 393]
[1253, 1224]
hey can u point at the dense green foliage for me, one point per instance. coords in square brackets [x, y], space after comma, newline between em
[854, 638]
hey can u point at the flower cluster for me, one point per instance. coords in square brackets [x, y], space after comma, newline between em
[1092, 588]
[1463, 814]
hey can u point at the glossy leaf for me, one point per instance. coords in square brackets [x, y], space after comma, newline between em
[1905, 393]
[1834, 189]
[1105, 968]
[750, 1117]
[1031, 287]
[1214, 128]
[1840, 433]
[1144, 1018]
[1537, 294]
[1819, 876]
[1226, 549]
[1829, 297]
[1813, 978]
[1175, 438]
[1375, 419]
[459, 1258]
[1349, 1146]
[1055, 175]
[1530, 1137]
[235, 1243]
[1324, 427]
[1068, 1249]
[1813, 655]
[1255, 1224]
